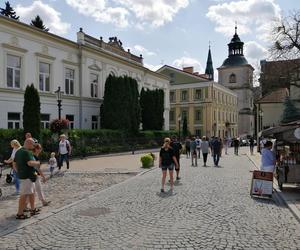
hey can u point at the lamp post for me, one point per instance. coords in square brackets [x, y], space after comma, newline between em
[179, 120]
[59, 93]
[261, 114]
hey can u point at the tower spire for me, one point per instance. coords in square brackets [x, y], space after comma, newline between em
[209, 65]
[235, 27]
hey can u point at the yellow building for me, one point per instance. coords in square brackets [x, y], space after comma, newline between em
[210, 108]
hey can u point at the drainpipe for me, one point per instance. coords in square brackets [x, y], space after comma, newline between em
[80, 85]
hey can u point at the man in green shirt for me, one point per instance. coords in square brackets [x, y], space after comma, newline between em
[24, 163]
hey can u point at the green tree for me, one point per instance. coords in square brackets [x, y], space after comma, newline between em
[32, 111]
[290, 112]
[9, 11]
[38, 23]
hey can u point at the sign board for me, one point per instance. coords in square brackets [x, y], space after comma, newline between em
[262, 183]
[297, 133]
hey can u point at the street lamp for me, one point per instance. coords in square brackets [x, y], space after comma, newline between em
[179, 120]
[59, 93]
[261, 114]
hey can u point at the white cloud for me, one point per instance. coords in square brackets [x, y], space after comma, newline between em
[49, 15]
[138, 49]
[254, 50]
[251, 16]
[153, 12]
[188, 62]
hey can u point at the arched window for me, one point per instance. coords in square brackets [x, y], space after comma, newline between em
[232, 78]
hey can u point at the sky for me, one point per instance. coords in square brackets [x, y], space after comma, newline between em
[172, 32]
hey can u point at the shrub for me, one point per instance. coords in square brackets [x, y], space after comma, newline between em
[147, 161]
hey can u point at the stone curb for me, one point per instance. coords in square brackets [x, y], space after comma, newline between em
[292, 207]
[41, 217]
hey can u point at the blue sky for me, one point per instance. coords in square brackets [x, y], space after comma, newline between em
[173, 32]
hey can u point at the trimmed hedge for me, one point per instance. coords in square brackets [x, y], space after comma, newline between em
[86, 142]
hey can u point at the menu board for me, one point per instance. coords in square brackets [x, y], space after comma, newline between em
[262, 183]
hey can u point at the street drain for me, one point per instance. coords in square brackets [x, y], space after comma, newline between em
[94, 212]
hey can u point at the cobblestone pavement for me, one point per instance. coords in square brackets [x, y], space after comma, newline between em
[212, 209]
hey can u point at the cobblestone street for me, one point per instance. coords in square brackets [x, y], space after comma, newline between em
[211, 209]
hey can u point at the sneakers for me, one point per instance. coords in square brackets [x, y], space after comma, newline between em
[162, 190]
[178, 178]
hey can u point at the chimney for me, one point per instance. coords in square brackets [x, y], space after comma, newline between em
[188, 69]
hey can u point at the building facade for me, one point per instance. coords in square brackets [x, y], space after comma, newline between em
[210, 108]
[237, 74]
[29, 55]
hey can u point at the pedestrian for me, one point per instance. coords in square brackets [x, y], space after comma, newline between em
[176, 146]
[262, 143]
[52, 163]
[64, 151]
[25, 163]
[40, 176]
[216, 146]
[194, 151]
[187, 147]
[205, 149]
[28, 135]
[268, 158]
[251, 145]
[15, 146]
[226, 142]
[236, 144]
[167, 159]
[198, 142]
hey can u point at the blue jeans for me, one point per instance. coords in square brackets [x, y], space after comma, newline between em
[61, 159]
[16, 180]
[216, 159]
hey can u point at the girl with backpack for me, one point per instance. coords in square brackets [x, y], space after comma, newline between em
[167, 159]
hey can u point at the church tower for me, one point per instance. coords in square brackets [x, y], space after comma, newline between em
[237, 74]
[209, 71]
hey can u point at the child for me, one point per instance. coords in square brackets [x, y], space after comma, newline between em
[52, 163]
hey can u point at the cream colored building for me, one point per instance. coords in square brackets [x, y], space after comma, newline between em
[210, 108]
[30, 55]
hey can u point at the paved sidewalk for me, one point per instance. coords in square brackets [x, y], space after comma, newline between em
[290, 193]
[212, 209]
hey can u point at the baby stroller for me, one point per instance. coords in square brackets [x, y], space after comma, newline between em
[10, 177]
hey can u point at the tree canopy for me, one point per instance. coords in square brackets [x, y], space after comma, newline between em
[9, 11]
[290, 112]
[38, 23]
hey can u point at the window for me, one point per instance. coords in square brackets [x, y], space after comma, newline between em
[214, 115]
[44, 76]
[184, 95]
[71, 121]
[172, 96]
[184, 114]
[94, 122]
[45, 120]
[172, 116]
[232, 78]
[69, 81]
[198, 94]
[94, 85]
[198, 115]
[13, 120]
[198, 132]
[13, 71]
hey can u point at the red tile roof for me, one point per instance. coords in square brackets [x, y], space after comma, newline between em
[276, 96]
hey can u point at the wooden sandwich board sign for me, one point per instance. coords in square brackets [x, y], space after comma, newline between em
[262, 183]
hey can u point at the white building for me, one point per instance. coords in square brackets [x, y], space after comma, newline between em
[30, 55]
[237, 74]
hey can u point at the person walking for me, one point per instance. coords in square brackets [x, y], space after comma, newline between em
[167, 159]
[52, 163]
[187, 147]
[236, 144]
[226, 142]
[251, 145]
[25, 163]
[194, 151]
[38, 185]
[176, 146]
[268, 158]
[198, 142]
[64, 151]
[216, 146]
[205, 149]
[15, 146]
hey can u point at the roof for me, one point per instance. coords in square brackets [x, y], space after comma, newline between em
[234, 60]
[276, 96]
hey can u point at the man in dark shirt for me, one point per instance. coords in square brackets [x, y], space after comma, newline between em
[176, 145]
[236, 144]
[216, 149]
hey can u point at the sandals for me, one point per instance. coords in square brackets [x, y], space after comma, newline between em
[46, 203]
[35, 211]
[22, 217]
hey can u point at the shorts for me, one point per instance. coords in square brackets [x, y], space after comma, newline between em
[170, 167]
[26, 187]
